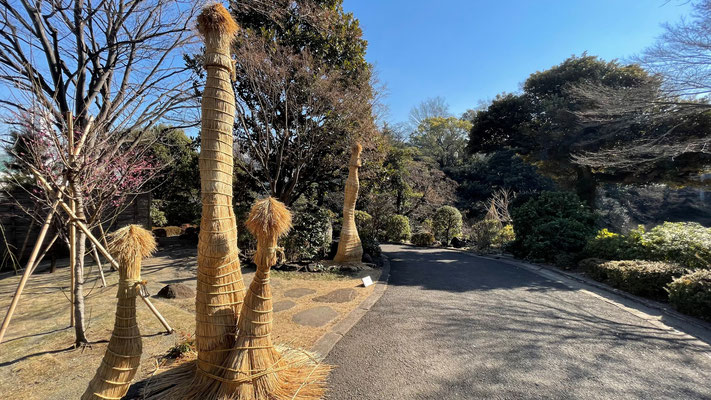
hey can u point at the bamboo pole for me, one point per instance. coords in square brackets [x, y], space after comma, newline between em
[98, 263]
[28, 268]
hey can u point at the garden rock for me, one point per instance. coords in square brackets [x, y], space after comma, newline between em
[315, 317]
[176, 291]
[338, 296]
[283, 305]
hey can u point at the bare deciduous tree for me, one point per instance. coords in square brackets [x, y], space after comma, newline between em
[111, 69]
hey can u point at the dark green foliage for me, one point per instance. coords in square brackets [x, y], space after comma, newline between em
[541, 124]
[177, 187]
[446, 224]
[551, 224]
[364, 222]
[370, 244]
[639, 277]
[423, 239]
[691, 294]
[397, 229]
[310, 236]
[480, 176]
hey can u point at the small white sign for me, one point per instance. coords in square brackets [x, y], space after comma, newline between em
[367, 281]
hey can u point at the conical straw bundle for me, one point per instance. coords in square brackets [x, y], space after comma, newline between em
[350, 248]
[129, 245]
[255, 369]
[220, 288]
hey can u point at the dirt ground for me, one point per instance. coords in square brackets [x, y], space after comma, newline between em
[37, 360]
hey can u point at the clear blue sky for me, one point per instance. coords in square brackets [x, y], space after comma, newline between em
[470, 50]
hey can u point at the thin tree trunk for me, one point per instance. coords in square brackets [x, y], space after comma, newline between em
[79, 320]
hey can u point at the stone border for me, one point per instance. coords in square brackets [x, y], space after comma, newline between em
[325, 343]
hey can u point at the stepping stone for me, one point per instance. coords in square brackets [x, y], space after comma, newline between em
[338, 296]
[298, 292]
[283, 305]
[176, 291]
[315, 317]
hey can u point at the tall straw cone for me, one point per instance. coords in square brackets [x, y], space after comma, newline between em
[129, 245]
[255, 369]
[220, 288]
[350, 248]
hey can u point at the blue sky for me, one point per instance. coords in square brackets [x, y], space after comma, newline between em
[470, 50]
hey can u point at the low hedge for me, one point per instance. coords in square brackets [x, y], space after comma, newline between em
[691, 294]
[423, 239]
[639, 277]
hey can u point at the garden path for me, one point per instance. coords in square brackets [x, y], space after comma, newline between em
[456, 326]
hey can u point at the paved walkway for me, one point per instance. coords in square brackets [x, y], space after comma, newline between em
[454, 326]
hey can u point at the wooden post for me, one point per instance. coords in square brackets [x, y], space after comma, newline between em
[28, 268]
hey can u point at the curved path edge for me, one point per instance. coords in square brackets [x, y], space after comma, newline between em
[652, 311]
[325, 343]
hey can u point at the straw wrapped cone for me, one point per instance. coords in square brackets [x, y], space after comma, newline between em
[129, 245]
[349, 246]
[220, 288]
[255, 369]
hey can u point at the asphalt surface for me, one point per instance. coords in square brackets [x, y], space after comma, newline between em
[454, 326]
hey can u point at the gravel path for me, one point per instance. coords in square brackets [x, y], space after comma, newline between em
[454, 326]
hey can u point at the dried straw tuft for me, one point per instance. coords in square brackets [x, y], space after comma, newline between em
[215, 18]
[129, 245]
[269, 218]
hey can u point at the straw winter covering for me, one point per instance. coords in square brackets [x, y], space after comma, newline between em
[129, 245]
[231, 365]
[349, 245]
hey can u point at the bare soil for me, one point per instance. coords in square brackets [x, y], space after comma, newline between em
[37, 358]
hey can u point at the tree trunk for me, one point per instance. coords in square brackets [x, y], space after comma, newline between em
[79, 322]
[586, 186]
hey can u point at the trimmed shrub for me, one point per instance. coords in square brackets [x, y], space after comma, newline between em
[686, 243]
[489, 233]
[310, 235]
[611, 246]
[423, 239]
[550, 225]
[640, 277]
[370, 244]
[691, 294]
[446, 224]
[364, 221]
[158, 217]
[397, 229]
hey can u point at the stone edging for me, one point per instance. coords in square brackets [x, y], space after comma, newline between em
[329, 339]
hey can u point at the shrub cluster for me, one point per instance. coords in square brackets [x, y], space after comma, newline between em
[367, 234]
[691, 294]
[685, 243]
[490, 233]
[640, 277]
[310, 235]
[423, 239]
[397, 229]
[551, 225]
[446, 224]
